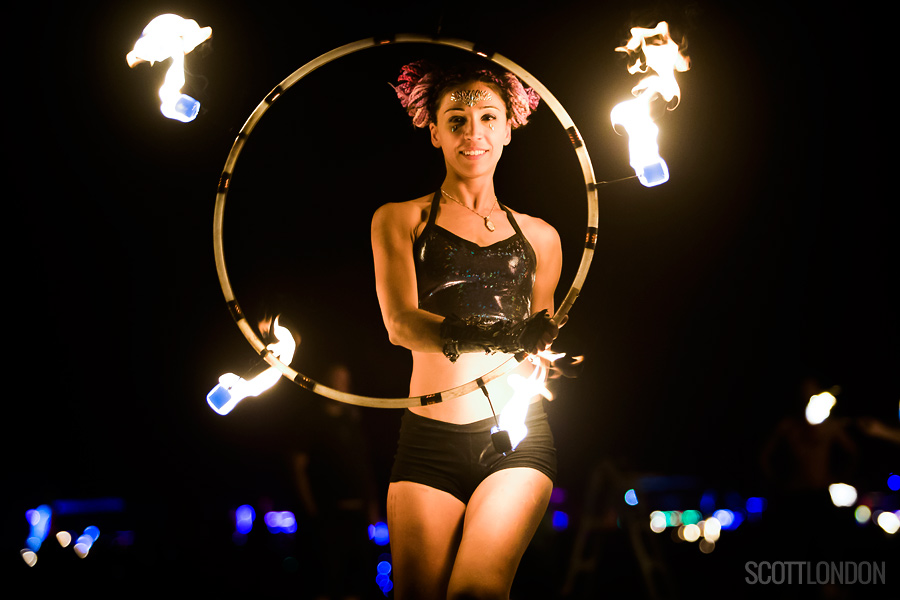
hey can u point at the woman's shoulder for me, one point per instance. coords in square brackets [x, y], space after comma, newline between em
[405, 207]
[544, 240]
[538, 231]
[407, 214]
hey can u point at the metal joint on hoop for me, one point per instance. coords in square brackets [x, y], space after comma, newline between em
[235, 309]
[483, 52]
[305, 382]
[274, 95]
[431, 399]
[224, 181]
[575, 137]
[590, 238]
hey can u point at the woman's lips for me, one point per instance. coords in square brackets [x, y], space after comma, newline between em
[473, 154]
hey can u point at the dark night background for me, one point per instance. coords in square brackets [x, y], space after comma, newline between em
[767, 262]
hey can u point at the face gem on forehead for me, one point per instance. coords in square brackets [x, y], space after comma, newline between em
[470, 97]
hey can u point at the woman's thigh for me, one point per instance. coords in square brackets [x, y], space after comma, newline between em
[501, 518]
[425, 525]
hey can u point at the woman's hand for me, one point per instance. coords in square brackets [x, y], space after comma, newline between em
[531, 335]
[538, 332]
[549, 334]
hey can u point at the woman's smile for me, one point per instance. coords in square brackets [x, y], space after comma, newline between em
[473, 154]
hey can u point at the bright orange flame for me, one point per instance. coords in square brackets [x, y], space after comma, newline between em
[512, 417]
[232, 388]
[170, 36]
[653, 52]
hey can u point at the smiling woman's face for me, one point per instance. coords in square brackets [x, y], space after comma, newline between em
[471, 128]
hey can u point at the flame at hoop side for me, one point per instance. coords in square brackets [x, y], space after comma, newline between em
[170, 36]
[232, 388]
[654, 52]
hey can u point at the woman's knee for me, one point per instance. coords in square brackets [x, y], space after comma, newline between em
[478, 592]
[479, 583]
[479, 589]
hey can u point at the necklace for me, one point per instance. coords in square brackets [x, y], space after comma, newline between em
[487, 219]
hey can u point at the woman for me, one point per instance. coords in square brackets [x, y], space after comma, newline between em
[462, 282]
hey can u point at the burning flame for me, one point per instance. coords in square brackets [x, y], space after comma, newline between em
[652, 50]
[232, 388]
[819, 407]
[170, 36]
[512, 417]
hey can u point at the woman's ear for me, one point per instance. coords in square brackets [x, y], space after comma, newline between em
[434, 135]
[508, 137]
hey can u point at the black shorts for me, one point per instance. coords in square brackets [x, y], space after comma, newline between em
[456, 458]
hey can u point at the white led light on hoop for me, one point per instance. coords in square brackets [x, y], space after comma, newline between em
[228, 173]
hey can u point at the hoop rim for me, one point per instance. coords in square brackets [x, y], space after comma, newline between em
[257, 114]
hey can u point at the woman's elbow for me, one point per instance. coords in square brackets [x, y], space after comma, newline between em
[397, 332]
[395, 338]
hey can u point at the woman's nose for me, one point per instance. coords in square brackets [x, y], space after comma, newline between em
[473, 129]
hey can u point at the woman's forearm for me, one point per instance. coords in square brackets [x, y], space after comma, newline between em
[416, 330]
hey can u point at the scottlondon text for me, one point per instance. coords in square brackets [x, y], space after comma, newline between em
[799, 572]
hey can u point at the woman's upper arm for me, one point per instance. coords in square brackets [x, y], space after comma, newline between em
[393, 227]
[548, 249]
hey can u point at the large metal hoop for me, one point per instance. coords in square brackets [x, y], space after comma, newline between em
[228, 172]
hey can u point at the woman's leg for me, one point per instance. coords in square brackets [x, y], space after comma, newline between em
[501, 518]
[425, 525]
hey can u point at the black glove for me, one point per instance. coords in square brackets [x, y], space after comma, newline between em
[475, 335]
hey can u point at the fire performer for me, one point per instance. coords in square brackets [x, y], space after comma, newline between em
[463, 281]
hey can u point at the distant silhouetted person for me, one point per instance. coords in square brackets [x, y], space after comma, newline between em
[803, 457]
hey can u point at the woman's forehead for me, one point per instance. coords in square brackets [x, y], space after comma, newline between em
[471, 97]
[471, 94]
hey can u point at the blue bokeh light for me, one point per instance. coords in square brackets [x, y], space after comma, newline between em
[89, 505]
[33, 543]
[725, 517]
[280, 521]
[560, 520]
[378, 533]
[755, 505]
[893, 482]
[384, 568]
[631, 497]
[243, 519]
[39, 526]
[86, 540]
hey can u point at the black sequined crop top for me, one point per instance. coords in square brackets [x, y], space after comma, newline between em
[455, 275]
